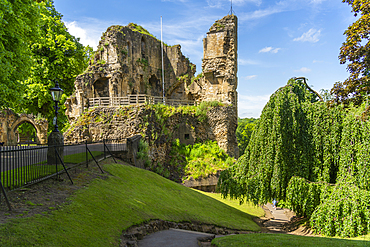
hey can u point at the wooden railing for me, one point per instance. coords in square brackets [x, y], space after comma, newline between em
[136, 99]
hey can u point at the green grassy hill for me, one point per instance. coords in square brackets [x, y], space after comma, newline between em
[97, 214]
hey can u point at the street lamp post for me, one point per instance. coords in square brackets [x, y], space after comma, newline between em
[55, 139]
[56, 93]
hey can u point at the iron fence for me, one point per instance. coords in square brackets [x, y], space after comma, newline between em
[22, 166]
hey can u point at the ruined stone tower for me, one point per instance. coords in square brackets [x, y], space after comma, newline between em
[219, 81]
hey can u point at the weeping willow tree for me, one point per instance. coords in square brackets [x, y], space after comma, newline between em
[312, 158]
[290, 139]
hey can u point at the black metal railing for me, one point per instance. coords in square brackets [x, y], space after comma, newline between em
[22, 166]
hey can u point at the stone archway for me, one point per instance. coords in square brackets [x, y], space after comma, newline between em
[10, 122]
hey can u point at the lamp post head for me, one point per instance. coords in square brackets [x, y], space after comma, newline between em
[56, 92]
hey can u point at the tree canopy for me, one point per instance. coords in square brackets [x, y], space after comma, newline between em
[244, 132]
[56, 56]
[356, 52]
[19, 21]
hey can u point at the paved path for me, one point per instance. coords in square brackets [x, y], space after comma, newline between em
[173, 238]
[280, 218]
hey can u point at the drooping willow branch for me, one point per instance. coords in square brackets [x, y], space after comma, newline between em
[308, 87]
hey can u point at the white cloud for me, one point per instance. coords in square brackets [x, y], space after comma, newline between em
[303, 70]
[81, 33]
[226, 3]
[258, 14]
[269, 49]
[250, 77]
[89, 30]
[317, 1]
[311, 35]
[247, 62]
[251, 105]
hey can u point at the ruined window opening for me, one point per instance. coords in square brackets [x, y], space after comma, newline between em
[187, 136]
[128, 49]
[155, 86]
[143, 47]
[101, 88]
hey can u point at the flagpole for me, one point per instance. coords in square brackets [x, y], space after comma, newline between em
[162, 60]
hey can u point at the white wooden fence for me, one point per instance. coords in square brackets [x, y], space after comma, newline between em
[136, 99]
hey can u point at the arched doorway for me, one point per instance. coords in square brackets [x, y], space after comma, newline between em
[25, 133]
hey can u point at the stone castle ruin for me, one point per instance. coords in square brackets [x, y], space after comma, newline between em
[128, 62]
[128, 65]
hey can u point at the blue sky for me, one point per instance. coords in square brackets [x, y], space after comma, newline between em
[277, 40]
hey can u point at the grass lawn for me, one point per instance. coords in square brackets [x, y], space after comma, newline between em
[80, 157]
[246, 207]
[97, 214]
[273, 240]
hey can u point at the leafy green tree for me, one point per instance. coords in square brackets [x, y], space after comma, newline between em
[244, 132]
[57, 56]
[19, 22]
[356, 51]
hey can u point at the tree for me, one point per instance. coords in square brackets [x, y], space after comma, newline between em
[19, 21]
[356, 51]
[56, 55]
[244, 132]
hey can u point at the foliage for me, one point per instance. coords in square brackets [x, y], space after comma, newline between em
[98, 213]
[356, 51]
[200, 75]
[142, 153]
[19, 22]
[204, 159]
[202, 108]
[298, 147]
[26, 130]
[143, 61]
[281, 146]
[286, 240]
[344, 213]
[303, 196]
[156, 130]
[244, 132]
[57, 56]
[355, 153]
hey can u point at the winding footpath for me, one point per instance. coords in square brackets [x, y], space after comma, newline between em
[279, 218]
